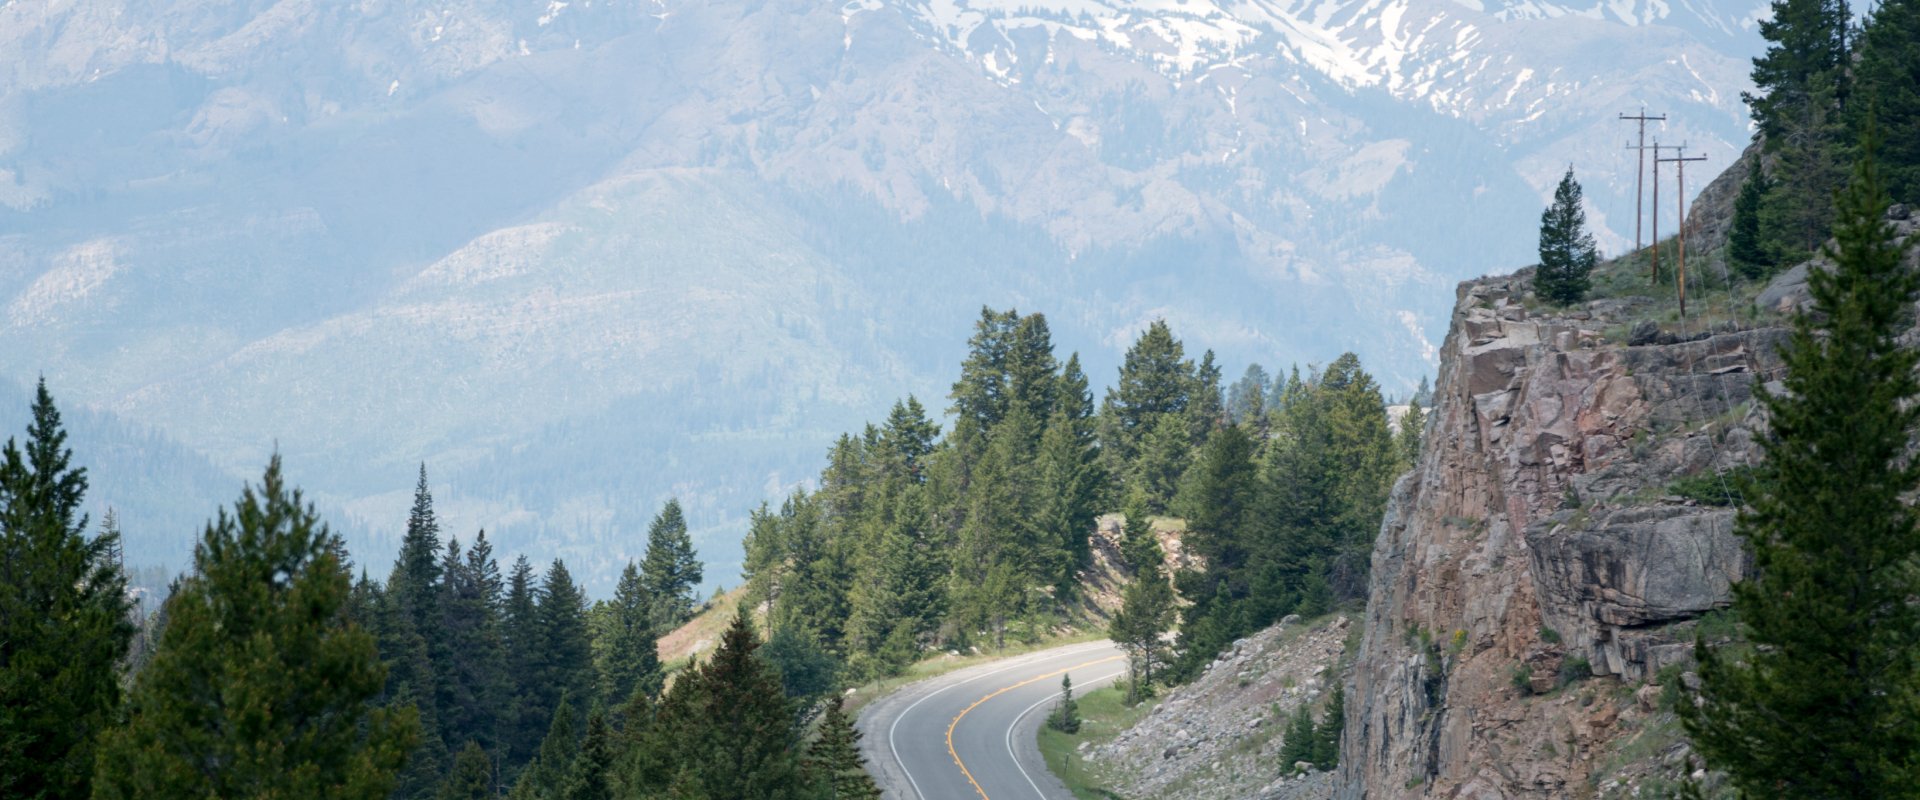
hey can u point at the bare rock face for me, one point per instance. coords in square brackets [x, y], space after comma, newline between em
[1538, 541]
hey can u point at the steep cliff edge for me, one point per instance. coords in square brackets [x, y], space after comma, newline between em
[1564, 532]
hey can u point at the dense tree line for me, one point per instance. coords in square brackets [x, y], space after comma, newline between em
[915, 540]
[272, 672]
[1824, 79]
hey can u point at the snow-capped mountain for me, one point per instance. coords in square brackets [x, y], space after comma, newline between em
[580, 255]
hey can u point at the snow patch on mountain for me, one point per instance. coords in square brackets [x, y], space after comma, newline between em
[1457, 56]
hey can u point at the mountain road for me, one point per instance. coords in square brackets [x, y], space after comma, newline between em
[971, 734]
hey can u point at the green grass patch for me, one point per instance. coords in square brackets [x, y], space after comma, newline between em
[1710, 488]
[1104, 713]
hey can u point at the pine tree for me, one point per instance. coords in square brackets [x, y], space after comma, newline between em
[65, 621]
[1218, 498]
[808, 673]
[591, 776]
[1067, 496]
[1247, 397]
[1155, 379]
[1822, 702]
[546, 776]
[1146, 612]
[524, 720]
[985, 584]
[1326, 735]
[1206, 405]
[411, 683]
[670, 571]
[1567, 253]
[909, 437]
[834, 762]
[471, 777]
[1746, 249]
[821, 575]
[1163, 458]
[259, 673]
[1413, 426]
[727, 728]
[764, 566]
[1298, 744]
[474, 680]
[897, 598]
[1066, 714]
[1796, 213]
[981, 396]
[415, 584]
[1887, 90]
[630, 660]
[563, 626]
[1032, 384]
[1138, 546]
[1807, 43]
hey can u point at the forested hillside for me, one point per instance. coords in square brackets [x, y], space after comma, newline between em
[918, 538]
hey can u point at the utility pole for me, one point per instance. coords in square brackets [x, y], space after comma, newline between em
[1656, 147]
[1640, 168]
[1680, 203]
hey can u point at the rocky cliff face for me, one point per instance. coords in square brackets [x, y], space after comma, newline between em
[1538, 533]
[1564, 533]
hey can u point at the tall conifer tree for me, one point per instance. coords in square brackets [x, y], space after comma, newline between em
[527, 665]
[1823, 702]
[1746, 248]
[1567, 253]
[834, 762]
[260, 687]
[591, 776]
[1887, 91]
[474, 681]
[64, 617]
[416, 574]
[563, 627]
[727, 726]
[630, 660]
[670, 570]
[1155, 380]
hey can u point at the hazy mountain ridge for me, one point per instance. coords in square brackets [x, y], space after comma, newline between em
[579, 256]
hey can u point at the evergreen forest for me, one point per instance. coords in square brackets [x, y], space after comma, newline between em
[277, 666]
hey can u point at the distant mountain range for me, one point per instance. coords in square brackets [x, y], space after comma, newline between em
[578, 256]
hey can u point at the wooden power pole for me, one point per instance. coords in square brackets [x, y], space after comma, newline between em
[1679, 161]
[1656, 147]
[1640, 169]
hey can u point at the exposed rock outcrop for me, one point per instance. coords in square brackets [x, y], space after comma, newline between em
[1543, 538]
[1536, 533]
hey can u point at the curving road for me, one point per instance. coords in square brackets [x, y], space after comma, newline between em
[969, 735]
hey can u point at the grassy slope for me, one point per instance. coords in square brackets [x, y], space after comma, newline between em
[1103, 715]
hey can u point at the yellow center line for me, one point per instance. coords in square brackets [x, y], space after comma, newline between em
[996, 693]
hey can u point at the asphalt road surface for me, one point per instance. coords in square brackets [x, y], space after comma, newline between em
[970, 734]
